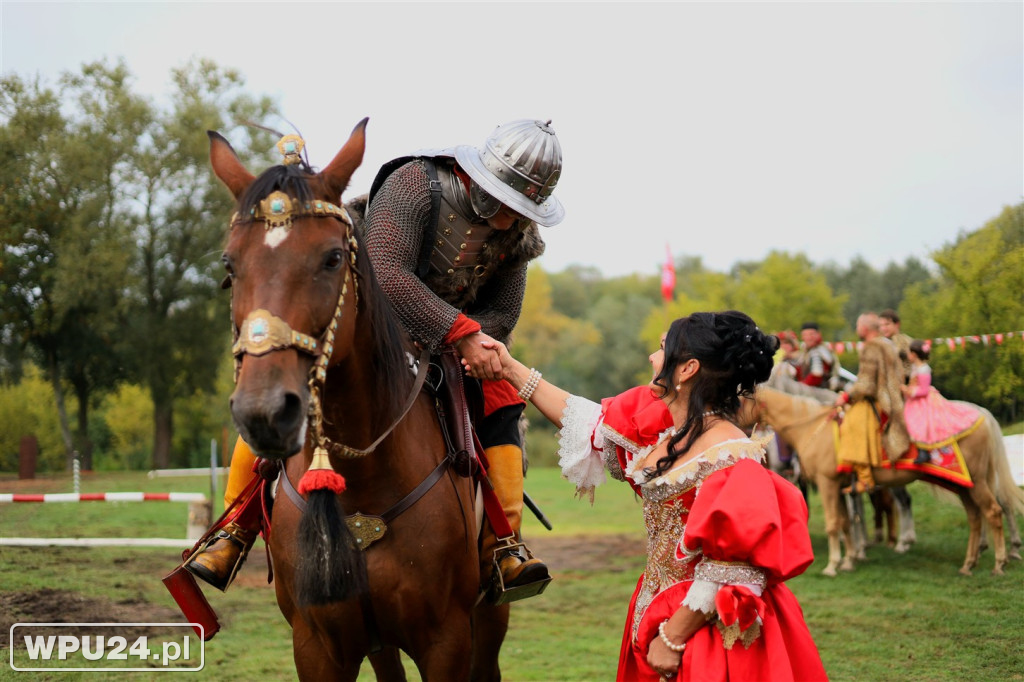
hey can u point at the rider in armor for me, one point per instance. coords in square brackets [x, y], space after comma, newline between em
[457, 275]
[450, 234]
[818, 362]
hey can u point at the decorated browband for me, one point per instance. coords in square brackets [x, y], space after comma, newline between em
[278, 210]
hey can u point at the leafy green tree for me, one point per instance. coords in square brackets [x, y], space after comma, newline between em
[542, 332]
[783, 291]
[573, 289]
[27, 409]
[63, 262]
[128, 413]
[979, 292]
[178, 320]
[867, 289]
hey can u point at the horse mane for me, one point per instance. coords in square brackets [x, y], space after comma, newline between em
[390, 363]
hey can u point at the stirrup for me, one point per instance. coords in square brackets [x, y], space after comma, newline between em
[237, 537]
[499, 593]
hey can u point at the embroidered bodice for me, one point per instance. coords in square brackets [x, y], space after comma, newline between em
[667, 503]
[618, 435]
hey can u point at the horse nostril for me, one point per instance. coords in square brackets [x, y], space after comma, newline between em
[292, 410]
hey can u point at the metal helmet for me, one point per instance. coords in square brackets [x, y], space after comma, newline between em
[519, 165]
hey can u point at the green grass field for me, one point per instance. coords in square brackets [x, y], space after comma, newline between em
[898, 617]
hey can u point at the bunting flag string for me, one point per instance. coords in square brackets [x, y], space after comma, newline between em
[951, 342]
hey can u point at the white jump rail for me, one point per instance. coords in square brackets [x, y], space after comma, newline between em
[163, 473]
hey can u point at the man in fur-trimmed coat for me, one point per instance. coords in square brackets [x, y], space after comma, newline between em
[450, 234]
[874, 422]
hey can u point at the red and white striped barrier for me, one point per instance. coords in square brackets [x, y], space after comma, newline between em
[103, 497]
[199, 519]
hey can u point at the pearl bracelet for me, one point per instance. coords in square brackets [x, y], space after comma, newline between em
[678, 648]
[531, 384]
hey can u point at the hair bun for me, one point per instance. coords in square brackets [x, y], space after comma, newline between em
[747, 350]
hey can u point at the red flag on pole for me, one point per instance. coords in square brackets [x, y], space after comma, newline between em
[668, 276]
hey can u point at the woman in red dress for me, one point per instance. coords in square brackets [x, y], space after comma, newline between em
[724, 533]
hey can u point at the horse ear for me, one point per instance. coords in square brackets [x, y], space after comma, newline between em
[341, 167]
[226, 165]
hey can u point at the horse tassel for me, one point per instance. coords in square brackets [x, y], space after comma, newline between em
[331, 567]
[321, 476]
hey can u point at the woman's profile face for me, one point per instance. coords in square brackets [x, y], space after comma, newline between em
[657, 358]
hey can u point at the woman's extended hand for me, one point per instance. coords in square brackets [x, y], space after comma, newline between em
[664, 661]
[506, 361]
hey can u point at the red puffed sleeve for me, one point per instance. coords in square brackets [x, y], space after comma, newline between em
[745, 514]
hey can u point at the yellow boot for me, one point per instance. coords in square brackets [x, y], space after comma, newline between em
[517, 566]
[242, 460]
[219, 561]
[865, 482]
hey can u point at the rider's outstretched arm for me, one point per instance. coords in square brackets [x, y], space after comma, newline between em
[545, 396]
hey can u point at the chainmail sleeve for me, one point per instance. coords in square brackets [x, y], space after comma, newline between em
[395, 223]
[500, 302]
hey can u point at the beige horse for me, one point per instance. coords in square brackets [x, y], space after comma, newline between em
[804, 424]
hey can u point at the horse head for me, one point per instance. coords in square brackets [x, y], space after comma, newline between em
[291, 258]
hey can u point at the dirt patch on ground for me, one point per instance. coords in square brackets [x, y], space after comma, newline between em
[64, 606]
[587, 552]
[573, 553]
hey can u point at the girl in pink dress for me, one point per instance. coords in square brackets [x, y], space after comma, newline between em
[933, 421]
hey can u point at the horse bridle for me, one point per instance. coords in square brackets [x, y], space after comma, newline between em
[263, 332]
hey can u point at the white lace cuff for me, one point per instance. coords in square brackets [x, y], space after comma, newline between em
[701, 596]
[579, 447]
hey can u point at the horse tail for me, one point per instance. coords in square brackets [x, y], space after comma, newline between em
[1007, 493]
[331, 567]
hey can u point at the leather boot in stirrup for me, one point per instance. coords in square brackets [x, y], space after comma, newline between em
[517, 575]
[218, 562]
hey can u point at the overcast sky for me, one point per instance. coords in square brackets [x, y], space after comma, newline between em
[725, 130]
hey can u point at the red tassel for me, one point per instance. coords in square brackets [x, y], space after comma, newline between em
[321, 479]
[321, 475]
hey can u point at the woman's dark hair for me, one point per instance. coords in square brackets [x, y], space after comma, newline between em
[734, 356]
[919, 349]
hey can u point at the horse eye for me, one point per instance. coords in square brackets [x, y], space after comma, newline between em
[226, 282]
[334, 260]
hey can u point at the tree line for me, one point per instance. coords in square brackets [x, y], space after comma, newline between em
[115, 333]
[592, 335]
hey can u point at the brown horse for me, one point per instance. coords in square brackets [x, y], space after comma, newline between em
[804, 424]
[323, 365]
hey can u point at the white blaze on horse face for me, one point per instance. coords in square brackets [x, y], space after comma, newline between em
[275, 236]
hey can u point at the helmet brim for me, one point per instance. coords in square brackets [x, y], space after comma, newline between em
[548, 213]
